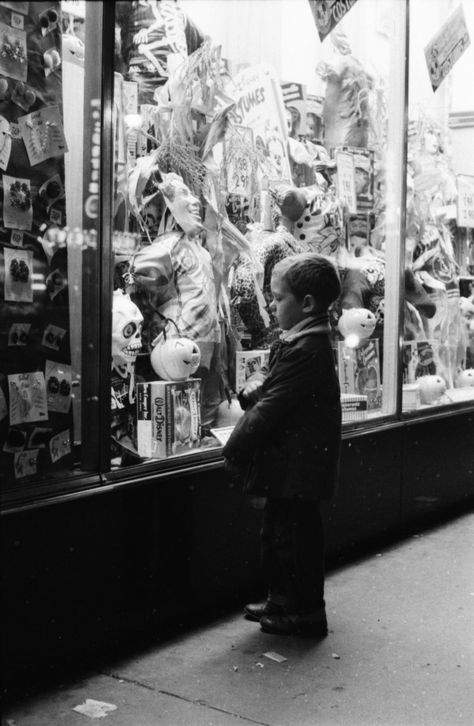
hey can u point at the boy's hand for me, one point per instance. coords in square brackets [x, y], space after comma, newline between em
[251, 389]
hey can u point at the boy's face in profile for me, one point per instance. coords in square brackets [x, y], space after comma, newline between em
[286, 308]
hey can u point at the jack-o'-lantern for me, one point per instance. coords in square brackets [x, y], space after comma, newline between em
[356, 325]
[431, 388]
[465, 379]
[175, 359]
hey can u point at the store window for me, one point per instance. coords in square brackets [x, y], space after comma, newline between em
[245, 132]
[46, 246]
[438, 355]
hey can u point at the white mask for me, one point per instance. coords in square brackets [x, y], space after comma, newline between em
[182, 203]
[127, 323]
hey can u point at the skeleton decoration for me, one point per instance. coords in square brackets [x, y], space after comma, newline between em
[127, 323]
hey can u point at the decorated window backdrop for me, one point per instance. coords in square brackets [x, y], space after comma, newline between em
[245, 132]
[438, 351]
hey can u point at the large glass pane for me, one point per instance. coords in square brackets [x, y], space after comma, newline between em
[289, 142]
[47, 242]
[438, 366]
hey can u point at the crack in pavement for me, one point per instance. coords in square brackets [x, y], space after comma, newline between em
[195, 701]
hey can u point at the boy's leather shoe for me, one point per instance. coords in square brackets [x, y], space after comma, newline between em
[295, 625]
[256, 611]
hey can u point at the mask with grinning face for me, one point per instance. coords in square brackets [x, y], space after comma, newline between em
[127, 323]
[183, 205]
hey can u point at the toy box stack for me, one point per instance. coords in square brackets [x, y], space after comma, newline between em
[168, 417]
[359, 371]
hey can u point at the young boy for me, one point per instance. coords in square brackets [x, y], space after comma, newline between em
[288, 440]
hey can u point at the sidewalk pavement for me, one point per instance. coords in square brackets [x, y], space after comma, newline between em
[400, 652]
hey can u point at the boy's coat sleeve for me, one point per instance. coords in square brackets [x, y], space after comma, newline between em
[291, 381]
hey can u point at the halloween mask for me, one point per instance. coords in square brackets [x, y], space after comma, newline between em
[127, 323]
[182, 203]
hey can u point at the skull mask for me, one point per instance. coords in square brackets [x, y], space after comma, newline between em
[127, 323]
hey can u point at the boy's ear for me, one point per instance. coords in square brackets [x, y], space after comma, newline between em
[309, 304]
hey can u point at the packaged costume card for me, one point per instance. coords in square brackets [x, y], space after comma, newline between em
[5, 143]
[58, 384]
[18, 335]
[27, 394]
[17, 205]
[420, 358]
[14, 57]
[248, 362]
[25, 463]
[359, 371]
[60, 445]
[168, 418]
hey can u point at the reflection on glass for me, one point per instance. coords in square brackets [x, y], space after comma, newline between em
[42, 245]
[438, 360]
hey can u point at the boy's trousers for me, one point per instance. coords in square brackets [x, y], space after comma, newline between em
[292, 540]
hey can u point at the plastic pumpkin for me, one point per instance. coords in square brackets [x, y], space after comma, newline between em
[175, 359]
[356, 325]
[431, 388]
[465, 379]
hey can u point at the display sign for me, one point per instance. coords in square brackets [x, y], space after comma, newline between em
[446, 47]
[328, 13]
[259, 106]
[465, 201]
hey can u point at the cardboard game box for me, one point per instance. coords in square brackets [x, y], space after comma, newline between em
[248, 362]
[168, 417]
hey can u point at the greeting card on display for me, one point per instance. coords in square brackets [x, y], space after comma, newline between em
[60, 446]
[5, 142]
[13, 55]
[43, 134]
[17, 206]
[18, 275]
[25, 463]
[27, 394]
[259, 106]
[58, 384]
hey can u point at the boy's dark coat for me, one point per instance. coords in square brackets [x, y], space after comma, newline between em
[290, 438]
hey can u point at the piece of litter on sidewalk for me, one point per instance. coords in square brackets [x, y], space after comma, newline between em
[275, 656]
[259, 665]
[335, 656]
[235, 668]
[94, 709]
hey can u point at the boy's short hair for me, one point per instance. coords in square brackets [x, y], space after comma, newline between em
[310, 274]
